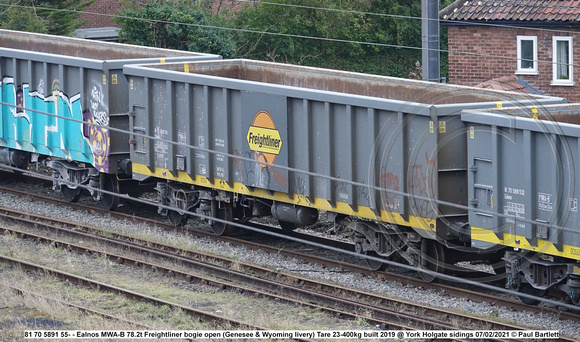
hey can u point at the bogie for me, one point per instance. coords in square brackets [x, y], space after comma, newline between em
[538, 275]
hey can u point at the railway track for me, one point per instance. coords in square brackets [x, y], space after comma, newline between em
[83, 281]
[22, 292]
[346, 266]
[338, 265]
[338, 300]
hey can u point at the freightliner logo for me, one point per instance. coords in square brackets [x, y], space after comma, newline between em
[264, 139]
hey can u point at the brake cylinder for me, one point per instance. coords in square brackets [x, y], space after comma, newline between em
[302, 216]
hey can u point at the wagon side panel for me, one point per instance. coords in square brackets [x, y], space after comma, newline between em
[80, 85]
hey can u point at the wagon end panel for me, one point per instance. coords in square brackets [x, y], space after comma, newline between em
[523, 189]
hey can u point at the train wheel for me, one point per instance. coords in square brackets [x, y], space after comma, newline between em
[373, 264]
[530, 290]
[432, 259]
[177, 219]
[109, 183]
[287, 226]
[222, 228]
[70, 195]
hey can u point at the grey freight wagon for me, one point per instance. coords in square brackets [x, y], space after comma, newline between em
[67, 99]
[523, 188]
[241, 138]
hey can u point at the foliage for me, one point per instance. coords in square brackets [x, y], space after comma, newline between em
[57, 17]
[374, 36]
[173, 25]
[339, 33]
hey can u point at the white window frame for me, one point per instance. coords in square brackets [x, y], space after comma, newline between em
[534, 69]
[555, 79]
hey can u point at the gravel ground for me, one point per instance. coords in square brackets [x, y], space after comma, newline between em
[250, 309]
[426, 297]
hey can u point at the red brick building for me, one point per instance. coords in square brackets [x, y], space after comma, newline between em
[100, 13]
[537, 41]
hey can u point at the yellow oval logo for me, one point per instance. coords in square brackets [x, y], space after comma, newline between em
[264, 139]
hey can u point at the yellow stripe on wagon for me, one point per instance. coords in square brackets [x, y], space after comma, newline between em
[416, 222]
[544, 246]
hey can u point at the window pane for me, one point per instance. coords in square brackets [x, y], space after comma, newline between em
[527, 54]
[562, 59]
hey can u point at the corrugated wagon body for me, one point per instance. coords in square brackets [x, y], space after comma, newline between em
[53, 88]
[524, 190]
[374, 147]
[68, 78]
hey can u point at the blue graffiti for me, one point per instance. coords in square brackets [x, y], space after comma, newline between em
[24, 126]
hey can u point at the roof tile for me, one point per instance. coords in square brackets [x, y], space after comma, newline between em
[512, 10]
[510, 83]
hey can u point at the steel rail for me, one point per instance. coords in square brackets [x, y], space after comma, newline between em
[343, 266]
[230, 280]
[351, 304]
[21, 292]
[450, 290]
[86, 282]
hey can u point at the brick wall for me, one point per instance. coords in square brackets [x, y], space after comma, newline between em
[110, 8]
[481, 53]
[106, 8]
